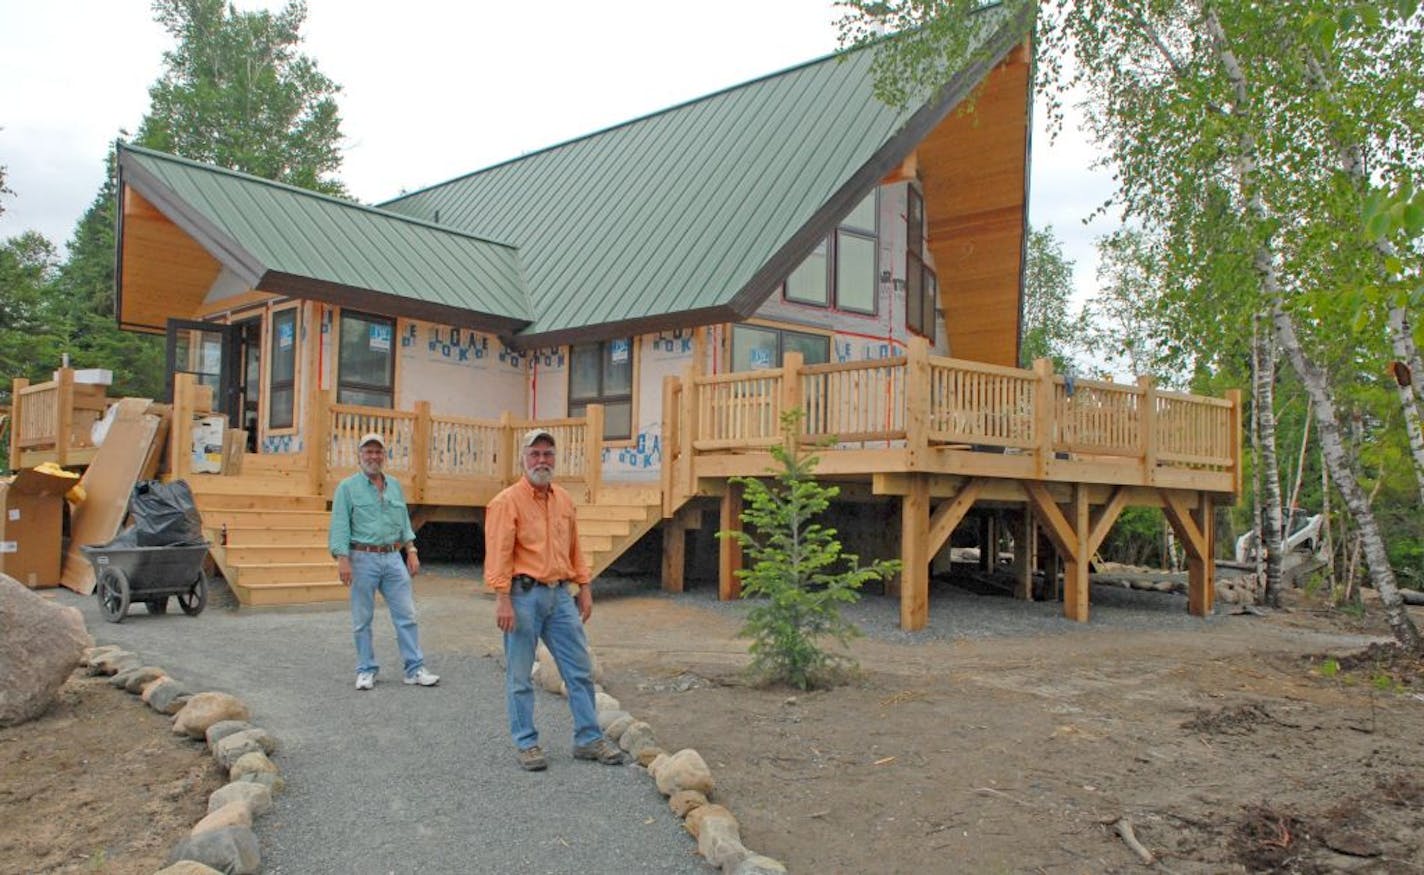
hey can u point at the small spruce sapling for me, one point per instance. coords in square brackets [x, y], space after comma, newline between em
[797, 571]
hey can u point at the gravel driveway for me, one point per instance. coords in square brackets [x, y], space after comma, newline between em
[406, 779]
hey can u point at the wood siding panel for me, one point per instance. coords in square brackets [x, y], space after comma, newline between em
[166, 274]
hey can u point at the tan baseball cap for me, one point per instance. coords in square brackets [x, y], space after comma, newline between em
[535, 434]
[372, 438]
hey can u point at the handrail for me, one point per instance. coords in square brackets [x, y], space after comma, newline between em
[53, 416]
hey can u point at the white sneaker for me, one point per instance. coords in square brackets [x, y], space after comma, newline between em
[365, 680]
[423, 677]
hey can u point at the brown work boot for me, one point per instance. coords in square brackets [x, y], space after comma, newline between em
[601, 750]
[531, 759]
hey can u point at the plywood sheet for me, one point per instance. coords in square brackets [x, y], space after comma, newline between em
[126, 456]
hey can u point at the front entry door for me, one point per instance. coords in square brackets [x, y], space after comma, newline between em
[209, 351]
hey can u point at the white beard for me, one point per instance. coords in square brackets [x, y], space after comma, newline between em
[371, 469]
[540, 476]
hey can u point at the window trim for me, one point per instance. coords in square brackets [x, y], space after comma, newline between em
[929, 302]
[781, 329]
[634, 343]
[337, 381]
[831, 242]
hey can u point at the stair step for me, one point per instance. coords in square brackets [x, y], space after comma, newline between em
[286, 572]
[243, 517]
[249, 484]
[612, 528]
[289, 593]
[630, 512]
[278, 463]
[257, 501]
[258, 554]
[595, 543]
[257, 535]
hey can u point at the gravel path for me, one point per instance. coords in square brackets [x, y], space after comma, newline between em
[406, 779]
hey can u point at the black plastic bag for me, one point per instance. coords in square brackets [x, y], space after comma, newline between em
[165, 514]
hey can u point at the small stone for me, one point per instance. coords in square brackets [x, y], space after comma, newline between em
[223, 728]
[142, 677]
[167, 696]
[114, 661]
[249, 763]
[656, 765]
[188, 867]
[231, 849]
[637, 738]
[757, 864]
[649, 755]
[684, 770]
[234, 813]
[121, 678]
[232, 748]
[719, 838]
[258, 797]
[608, 718]
[93, 653]
[605, 702]
[684, 801]
[615, 730]
[205, 709]
[273, 781]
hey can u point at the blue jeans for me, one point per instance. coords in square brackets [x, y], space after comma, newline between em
[547, 612]
[384, 572]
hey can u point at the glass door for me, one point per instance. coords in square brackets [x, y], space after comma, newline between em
[209, 351]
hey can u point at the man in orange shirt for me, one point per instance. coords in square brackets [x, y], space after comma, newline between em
[532, 561]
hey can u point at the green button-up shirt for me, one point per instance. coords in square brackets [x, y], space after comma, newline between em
[362, 514]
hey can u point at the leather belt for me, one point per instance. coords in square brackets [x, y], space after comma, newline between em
[526, 583]
[376, 548]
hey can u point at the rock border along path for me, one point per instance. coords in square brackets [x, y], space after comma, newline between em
[402, 778]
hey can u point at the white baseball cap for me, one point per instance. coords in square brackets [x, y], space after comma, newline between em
[372, 438]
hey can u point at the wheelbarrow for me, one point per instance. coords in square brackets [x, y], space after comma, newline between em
[150, 575]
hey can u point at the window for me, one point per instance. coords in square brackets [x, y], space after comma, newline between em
[921, 296]
[840, 271]
[915, 221]
[366, 361]
[755, 347]
[282, 394]
[602, 373]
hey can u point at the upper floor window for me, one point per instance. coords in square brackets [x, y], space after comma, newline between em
[840, 271]
[602, 373]
[366, 361]
[921, 296]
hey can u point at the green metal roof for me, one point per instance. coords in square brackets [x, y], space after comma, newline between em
[293, 241]
[695, 213]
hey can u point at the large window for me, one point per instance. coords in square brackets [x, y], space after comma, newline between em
[840, 271]
[366, 361]
[282, 354]
[602, 373]
[755, 347]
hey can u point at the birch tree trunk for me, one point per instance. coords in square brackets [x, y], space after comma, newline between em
[1270, 537]
[1402, 340]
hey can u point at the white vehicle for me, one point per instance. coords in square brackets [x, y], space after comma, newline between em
[1305, 537]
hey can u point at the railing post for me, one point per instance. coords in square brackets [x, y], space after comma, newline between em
[318, 441]
[670, 441]
[180, 439]
[1147, 421]
[420, 451]
[917, 401]
[508, 464]
[16, 419]
[1233, 437]
[1043, 415]
[687, 432]
[63, 414]
[593, 443]
[791, 396]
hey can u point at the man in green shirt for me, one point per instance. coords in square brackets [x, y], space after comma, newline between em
[370, 526]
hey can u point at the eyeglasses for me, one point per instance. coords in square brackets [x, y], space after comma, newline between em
[540, 454]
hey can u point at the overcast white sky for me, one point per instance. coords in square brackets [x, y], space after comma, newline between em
[432, 89]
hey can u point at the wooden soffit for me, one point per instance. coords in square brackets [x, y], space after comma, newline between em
[974, 171]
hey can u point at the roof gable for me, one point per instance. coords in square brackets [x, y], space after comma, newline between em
[696, 212]
[292, 241]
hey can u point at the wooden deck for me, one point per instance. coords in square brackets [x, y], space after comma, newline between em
[929, 436]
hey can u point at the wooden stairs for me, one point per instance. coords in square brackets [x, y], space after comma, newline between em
[269, 530]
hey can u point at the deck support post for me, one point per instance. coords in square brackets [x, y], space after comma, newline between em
[1070, 534]
[63, 415]
[420, 451]
[729, 550]
[915, 554]
[671, 438]
[1025, 554]
[674, 552]
[16, 433]
[318, 439]
[1194, 528]
[593, 471]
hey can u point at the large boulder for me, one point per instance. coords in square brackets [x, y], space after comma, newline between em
[684, 770]
[230, 849]
[41, 645]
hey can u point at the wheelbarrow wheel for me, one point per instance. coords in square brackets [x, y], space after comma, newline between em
[157, 606]
[113, 592]
[195, 599]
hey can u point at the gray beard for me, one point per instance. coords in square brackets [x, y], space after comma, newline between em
[371, 469]
[540, 476]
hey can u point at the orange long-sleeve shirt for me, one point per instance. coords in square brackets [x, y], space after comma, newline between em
[535, 533]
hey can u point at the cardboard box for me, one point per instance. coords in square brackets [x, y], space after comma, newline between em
[208, 435]
[31, 523]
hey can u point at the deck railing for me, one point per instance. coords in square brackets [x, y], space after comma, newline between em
[921, 402]
[51, 422]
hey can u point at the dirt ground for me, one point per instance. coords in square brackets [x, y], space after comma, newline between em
[1240, 747]
[1237, 748]
[98, 784]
